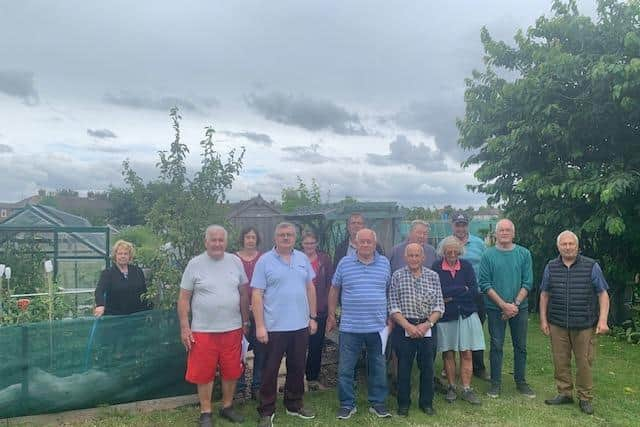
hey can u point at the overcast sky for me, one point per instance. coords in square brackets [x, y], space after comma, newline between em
[361, 95]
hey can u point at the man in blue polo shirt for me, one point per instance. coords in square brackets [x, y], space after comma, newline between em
[284, 309]
[364, 279]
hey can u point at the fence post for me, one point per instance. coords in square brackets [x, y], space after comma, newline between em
[24, 400]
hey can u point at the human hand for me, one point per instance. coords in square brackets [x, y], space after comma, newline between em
[413, 331]
[98, 311]
[510, 310]
[313, 327]
[331, 323]
[424, 327]
[544, 327]
[187, 338]
[262, 335]
[602, 328]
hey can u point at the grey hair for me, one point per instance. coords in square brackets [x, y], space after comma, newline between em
[417, 222]
[567, 233]
[215, 227]
[285, 224]
[448, 242]
[375, 236]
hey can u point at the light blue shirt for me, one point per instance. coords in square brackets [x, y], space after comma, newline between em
[364, 293]
[286, 307]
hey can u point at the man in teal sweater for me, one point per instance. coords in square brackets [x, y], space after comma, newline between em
[506, 277]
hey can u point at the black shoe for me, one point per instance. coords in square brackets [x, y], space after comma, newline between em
[205, 420]
[230, 414]
[585, 406]
[428, 410]
[560, 399]
[525, 390]
[403, 412]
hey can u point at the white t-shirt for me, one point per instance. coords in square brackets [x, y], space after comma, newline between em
[215, 302]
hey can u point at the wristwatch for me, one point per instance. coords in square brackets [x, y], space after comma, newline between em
[429, 322]
[246, 323]
[314, 318]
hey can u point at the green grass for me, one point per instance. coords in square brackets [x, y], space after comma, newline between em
[617, 389]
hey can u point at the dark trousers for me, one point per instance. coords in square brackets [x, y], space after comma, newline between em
[258, 362]
[294, 345]
[314, 355]
[518, 328]
[478, 356]
[407, 350]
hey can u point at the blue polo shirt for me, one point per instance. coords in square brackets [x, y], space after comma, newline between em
[364, 293]
[286, 307]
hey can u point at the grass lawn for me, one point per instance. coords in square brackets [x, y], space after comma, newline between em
[617, 388]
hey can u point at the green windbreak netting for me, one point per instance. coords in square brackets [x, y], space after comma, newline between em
[84, 362]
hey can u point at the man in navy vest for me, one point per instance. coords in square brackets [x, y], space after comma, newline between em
[574, 305]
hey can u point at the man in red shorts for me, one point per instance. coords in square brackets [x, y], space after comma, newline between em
[214, 289]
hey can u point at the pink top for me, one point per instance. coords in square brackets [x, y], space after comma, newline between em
[249, 266]
[450, 269]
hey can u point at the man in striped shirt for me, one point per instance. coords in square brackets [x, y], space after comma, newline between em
[364, 279]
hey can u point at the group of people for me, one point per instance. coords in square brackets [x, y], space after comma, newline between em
[420, 300]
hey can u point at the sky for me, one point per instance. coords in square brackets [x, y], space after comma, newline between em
[360, 95]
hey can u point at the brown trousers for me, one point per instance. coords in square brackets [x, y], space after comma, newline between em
[582, 344]
[294, 345]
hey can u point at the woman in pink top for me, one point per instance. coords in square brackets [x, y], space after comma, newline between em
[249, 241]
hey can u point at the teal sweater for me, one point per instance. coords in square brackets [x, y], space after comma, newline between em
[506, 272]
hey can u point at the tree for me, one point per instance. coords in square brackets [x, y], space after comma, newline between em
[178, 208]
[557, 144]
[301, 196]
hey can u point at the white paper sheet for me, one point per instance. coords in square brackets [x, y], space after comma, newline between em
[428, 334]
[384, 337]
[245, 348]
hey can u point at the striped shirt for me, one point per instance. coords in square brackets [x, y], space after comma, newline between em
[364, 293]
[415, 298]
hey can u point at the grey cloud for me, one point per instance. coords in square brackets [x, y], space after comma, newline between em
[306, 154]
[126, 99]
[403, 152]
[19, 84]
[5, 149]
[101, 133]
[437, 118]
[408, 189]
[306, 112]
[259, 138]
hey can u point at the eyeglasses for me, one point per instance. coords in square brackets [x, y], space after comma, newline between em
[285, 234]
[309, 243]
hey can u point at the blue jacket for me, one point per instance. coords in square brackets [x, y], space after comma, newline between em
[463, 289]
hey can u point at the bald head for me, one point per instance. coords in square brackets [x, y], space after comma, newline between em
[414, 257]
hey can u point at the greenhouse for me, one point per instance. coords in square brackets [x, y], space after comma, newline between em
[77, 252]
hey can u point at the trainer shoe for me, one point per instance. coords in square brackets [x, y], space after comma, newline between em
[451, 395]
[304, 413]
[316, 386]
[266, 421]
[379, 410]
[344, 413]
[205, 420]
[560, 399]
[470, 396]
[585, 406]
[230, 414]
[525, 390]
[494, 391]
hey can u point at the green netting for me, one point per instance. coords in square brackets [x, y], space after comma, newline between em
[84, 362]
[439, 229]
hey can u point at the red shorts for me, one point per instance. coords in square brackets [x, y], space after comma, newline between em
[213, 349]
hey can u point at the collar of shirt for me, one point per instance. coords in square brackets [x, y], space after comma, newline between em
[451, 269]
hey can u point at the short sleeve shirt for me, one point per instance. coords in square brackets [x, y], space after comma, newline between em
[286, 306]
[215, 302]
[364, 293]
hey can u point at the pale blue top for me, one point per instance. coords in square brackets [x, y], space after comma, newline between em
[286, 307]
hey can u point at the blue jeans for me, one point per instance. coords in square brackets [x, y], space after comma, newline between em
[518, 328]
[350, 347]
